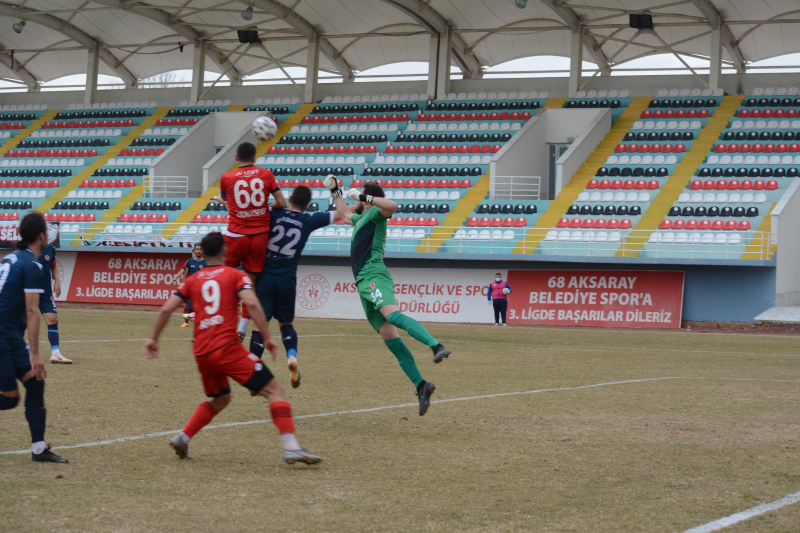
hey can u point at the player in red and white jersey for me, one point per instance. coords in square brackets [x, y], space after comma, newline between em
[245, 191]
[215, 292]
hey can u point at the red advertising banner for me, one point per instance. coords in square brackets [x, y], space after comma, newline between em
[124, 278]
[633, 299]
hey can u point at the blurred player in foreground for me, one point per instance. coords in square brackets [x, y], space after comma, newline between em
[276, 287]
[245, 192]
[216, 291]
[375, 285]
[20, 289]
[196, 263]
[47, 303]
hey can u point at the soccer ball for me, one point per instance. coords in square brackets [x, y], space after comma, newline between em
[264, 128]
[506, 291]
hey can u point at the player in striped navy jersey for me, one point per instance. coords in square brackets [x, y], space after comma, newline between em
[21, 286]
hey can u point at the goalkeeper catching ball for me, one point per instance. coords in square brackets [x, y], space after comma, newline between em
[374, 283]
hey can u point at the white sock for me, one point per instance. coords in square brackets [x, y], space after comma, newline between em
[243, 322]
[38, 447]
[289, 441]
[185, 438]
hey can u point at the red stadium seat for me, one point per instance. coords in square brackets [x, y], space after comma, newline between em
[652, 185]
[575, 223]
[165, 218]
[197, 218]
[612, 224]
[665, 224]
[721, 185]
[696, 185]
[123, 218]
[679, 224]
[744, 225]
[717, 225]
[472, 221]
[692, 224]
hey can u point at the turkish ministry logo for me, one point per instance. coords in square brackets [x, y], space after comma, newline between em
[313, 291]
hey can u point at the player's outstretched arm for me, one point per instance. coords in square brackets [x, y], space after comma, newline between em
[180, 275]
[250, 300]
[341, 208]
[32, 312]
[164, 314]
[386, 206]
[280, 200]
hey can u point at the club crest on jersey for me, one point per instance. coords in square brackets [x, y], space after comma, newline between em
[372, 286]
[47, 258]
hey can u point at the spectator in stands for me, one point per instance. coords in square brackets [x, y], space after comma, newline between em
[498, 290]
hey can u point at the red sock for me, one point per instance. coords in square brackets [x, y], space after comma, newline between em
[282, 416]
[200, 419]
[245, 313]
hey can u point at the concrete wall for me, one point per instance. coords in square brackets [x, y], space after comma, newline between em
[190, 154]
[557, 87]
[224, 160]
[785, 222]
[585, 143]
[526, 154]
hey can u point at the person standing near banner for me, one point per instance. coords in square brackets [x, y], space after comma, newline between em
[498, 290]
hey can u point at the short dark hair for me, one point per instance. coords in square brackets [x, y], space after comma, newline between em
[31, 226]
[498, 274]
[373, 189]
[196, 245]
[246, 152]
[301, 196]
[212, 244]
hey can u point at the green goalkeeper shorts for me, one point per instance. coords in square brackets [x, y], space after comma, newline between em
[376, 289]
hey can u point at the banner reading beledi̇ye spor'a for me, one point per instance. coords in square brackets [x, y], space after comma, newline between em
[596, 298]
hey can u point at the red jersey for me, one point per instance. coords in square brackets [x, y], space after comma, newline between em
[214, 293]
[247, 191]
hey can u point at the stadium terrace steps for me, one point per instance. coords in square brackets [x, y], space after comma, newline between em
[113, 151]
[235, 108]
[677, 182]
[758, 245]
[199, 204]
[555, 103]
[569, 193]
[22, 134]
[458, 216]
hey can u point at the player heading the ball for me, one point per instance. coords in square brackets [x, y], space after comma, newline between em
[374, 283]
[216, 291]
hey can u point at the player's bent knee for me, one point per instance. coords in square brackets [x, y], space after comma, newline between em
[221, 402]
[8, 402]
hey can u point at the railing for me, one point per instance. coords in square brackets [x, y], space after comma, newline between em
[166, 186]
[515, 187]
[589, 243]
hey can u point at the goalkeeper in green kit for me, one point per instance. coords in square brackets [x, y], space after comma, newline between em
[374, 283]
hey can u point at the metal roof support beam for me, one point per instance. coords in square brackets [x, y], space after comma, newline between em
[309, 32]
[65, 28]
[312, 71]
[575, 63]
[715, 66]
[181, 28]
[198, 71]
[431, 20]
[26, 77]
[92, 67]
[568, 15]
[728, 40]
[439, 65]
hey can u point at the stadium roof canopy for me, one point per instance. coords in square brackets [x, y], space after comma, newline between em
[134, 39]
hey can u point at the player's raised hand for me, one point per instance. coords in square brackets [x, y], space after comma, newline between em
[272, 346]
[353, 194]
[330, 182]
[151, 349]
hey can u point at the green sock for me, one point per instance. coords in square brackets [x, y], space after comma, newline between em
[405, 358]
[414, 328]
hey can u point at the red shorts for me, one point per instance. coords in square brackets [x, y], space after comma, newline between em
[235, 362]
[248, 250]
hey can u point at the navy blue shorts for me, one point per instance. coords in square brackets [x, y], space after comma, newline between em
[277, 295]
[47, 304]
[189, 306]
[15, 362]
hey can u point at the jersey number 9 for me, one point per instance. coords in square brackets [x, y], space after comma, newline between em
[245, 198]
[211, 294]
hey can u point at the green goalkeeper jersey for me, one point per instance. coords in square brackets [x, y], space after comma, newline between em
[369, 241]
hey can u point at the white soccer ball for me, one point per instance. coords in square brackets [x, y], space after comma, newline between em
[506, 291]
[265, 129]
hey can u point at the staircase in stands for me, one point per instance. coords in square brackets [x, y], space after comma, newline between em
[761, 246]
[680, 178]
[22, 134]
[261, 148]
[569, 194]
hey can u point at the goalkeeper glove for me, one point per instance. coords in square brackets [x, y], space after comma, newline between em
[355, 194]
[330, 183]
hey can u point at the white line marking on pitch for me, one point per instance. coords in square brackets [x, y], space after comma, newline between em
[386, 407]
[189, 339]
[741, 516]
